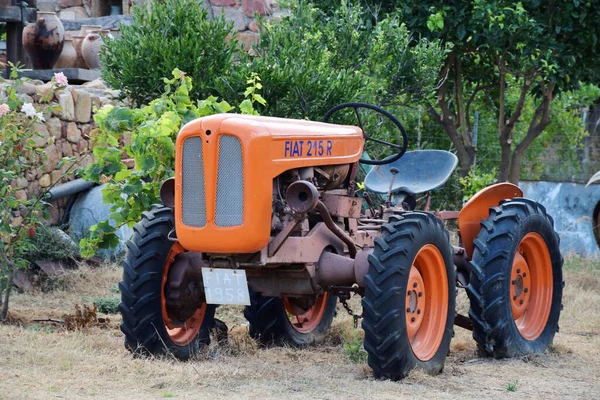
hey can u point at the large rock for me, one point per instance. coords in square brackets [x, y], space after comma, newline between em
[234, 15]
[261, 7]
[88, 210]
[54, 127]
[65, 101]
[571, 205]
[83, 105]
[41, 138]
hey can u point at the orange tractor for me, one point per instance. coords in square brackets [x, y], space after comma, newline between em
[266, 212]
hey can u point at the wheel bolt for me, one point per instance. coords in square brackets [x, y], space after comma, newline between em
[526, 290]
[518, 270]
[408, 309]
[514, 282]
[415, 284]
[420, 294]
[524, 274]
[413, 319]
[514, 297]
[521, 301]
[419, 311]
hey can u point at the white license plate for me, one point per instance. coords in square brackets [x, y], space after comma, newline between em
[225, 286]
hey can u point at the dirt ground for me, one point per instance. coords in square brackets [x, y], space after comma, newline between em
[43, 360]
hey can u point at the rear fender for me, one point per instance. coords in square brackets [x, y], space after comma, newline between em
[478, 209]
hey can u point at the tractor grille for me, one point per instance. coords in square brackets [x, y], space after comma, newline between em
[230, 183]
[193, 203]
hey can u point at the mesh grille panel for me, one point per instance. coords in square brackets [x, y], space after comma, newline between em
[230, 183]
[192, 197]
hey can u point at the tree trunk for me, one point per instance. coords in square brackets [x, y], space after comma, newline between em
[539, 122]
[9, 283]
[10, 267]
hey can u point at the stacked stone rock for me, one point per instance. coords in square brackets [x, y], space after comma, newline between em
[66, 133]
[242, 14]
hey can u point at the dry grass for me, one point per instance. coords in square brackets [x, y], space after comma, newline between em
[93, 363]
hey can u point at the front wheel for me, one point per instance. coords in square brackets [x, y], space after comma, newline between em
[409, 302]
[147, 324]
[287, 320]
[515, 285]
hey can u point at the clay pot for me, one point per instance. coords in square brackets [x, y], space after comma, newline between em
[105, 32]
[90, 50]
[68, 57]
[43, 40]
[77, 42]
[85, 29]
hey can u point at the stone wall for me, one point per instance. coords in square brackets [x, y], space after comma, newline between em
[65, 133]
[242, 14]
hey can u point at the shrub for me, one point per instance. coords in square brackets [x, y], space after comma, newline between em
[107, 305]
[311, 61]
[19, 217]
[50, 243]
[166, 35]
[303, 76]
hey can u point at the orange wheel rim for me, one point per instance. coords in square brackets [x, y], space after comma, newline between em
[306, 321]
[427, 302]
[180, 335]
[531, 286]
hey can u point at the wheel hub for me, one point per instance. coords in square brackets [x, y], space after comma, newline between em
[520, 285]
[415, 302]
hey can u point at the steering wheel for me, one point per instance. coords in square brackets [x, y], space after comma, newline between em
[356, 107]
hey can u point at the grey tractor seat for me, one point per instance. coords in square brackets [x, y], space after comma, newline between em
[419, 171]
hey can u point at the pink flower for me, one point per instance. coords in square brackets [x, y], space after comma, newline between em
[4, 109]
[60, 79]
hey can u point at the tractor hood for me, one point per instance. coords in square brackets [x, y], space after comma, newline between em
[224, 170]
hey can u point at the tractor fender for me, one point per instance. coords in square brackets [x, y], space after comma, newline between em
[478, 209]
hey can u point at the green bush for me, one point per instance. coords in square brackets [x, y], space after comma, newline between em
[166, 35]
[107, 305]
[50, 243]
[312, 61]
[301, 72]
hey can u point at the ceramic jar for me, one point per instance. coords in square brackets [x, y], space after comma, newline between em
[90, 50]
[85, 29]
[68, 57]
[77, 42]
[43, 40]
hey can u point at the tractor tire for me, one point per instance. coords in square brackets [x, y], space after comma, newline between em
[410, 295]
[515, 286]
[273, 322]
[145, 321]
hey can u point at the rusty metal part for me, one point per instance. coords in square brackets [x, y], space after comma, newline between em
[167, 193]
[335, 269]
[279, 240]
[445, 215]
[460, 259]
[369, 201]
[283, 282]
[342, 206]
[463, 322]
[336, 229]
[304, 249]
[302, 196]
[335, 174]
[184, 292]
[428, 203]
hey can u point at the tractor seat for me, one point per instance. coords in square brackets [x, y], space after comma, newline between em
[419, 171]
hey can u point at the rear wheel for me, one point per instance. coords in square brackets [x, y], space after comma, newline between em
[147, 324]
[409, 302]
[290, 320]
[516, 282]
